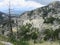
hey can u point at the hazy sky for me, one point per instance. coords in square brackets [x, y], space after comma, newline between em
[23, 5]
[44, 2]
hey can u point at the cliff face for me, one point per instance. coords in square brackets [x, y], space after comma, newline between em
[44, 17]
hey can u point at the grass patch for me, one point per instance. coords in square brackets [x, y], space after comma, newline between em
[1, 43]
[3, 38]
[32, 43]
[48, 43]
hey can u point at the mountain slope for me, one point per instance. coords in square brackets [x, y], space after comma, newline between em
[3, 17]
[47, 16]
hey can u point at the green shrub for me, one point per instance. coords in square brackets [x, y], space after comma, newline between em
[28, 32]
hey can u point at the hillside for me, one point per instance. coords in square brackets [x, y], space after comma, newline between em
[44, 27]
[44, 17]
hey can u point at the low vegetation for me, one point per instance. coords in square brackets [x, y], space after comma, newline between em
[29, 35]
[1, 43]
[3, 38]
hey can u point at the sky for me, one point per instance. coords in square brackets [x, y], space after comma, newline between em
[22, 5]
[44, 2]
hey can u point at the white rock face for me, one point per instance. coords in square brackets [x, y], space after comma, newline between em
[36, 22]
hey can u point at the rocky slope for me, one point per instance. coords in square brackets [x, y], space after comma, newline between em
[3, 17]
[3, 20]
[44, 17]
